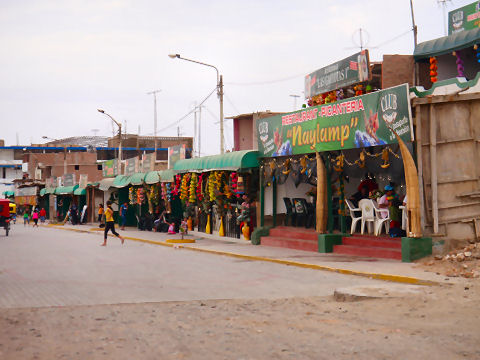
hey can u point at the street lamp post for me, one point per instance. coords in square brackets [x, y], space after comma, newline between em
[154, 93]
[219, 93]
[119, 136]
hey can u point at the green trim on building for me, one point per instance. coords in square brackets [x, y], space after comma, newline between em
[416, 248]
[421, 92]
[43, 192]
[9, 193]
[65, 190]
[236, 160]
[447, 44]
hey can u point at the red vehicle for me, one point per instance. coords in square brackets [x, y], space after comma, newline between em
[5, 214]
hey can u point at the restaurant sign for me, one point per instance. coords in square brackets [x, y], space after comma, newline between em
[464, 18]
[346, 72]
[356, 122]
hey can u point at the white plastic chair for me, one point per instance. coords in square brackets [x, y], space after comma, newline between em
[368, 214]
[379, 220]
[404, 217]
[355, 220]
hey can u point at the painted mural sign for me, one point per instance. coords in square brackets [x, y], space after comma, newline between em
[356, 122]
[68, 179]
[346, 72]
[110, 168]
[148, 162]
[83, 181]
[464, 18]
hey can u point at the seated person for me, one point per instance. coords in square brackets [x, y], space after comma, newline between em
[161, 224]
[359, 195]
[391, 202]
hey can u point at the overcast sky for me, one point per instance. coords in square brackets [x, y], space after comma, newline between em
[61, 60]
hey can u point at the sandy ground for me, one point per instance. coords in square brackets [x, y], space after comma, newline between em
[440, 322]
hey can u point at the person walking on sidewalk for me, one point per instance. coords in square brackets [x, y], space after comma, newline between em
[110, 224]
[43, 215]
[123, 215]
[35, 218]
[26, 219]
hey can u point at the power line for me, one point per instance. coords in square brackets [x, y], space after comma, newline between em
[231, 103]
[392, 39]
[186, 115]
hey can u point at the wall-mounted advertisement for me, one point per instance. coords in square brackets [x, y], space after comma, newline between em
[69, 180]
[356, 122]
[148, 162]
[346, 72]
[176, 153]
[464, 18]
[110, 168]
[131, 166]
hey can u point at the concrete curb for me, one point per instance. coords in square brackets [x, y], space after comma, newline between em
[377, 276]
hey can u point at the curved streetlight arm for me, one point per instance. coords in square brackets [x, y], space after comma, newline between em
[110, 116]
[198, 62]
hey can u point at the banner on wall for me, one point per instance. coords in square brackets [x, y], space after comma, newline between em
[148, 162]
[131, 166]
[356, 122]
[346, 72]
[176, 153]
[464, 18]
[110, 168]
[83, 181]
[69, 180]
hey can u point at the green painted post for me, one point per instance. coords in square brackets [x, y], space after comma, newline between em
[343, 224]
[262, 202]
[274, 202]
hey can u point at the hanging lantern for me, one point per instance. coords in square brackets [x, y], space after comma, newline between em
[338, 167]
[433, 69]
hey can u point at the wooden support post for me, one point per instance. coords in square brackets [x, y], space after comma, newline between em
[418, 121]
[433, 168]
[343, 224]
[322, 205]
[329, 198]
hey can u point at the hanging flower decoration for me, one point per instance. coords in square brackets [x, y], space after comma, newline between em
[433, 69]
[211, 186]
[140, 195]
[234, 183]
[198, 190]
[132, 195]
[477, 52]
[339, 161]
[193, 188]
[152, 194]
[385, 159]
[184, 187]
[176, 189]
[460, 67]
[358, 89]
[168, 194]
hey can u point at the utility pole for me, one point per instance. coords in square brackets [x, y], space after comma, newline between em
[154, 93]
[194, 152]
[199, 130]
[220, 95]
[414, 28]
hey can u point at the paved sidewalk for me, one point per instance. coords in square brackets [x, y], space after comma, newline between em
[382, 269]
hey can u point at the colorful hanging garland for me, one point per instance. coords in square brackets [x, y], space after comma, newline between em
[184, 187]
[211, 186]
[193, 188]
[176, 189]
[433, 69]
[199, 189]
[168, 193]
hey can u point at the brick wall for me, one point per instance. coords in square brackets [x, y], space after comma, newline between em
[396, 70]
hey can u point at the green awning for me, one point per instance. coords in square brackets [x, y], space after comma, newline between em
[49, 190]
[43, 192]
[9, 193]
[152, 177]
[137, 178]
[167, 175]
[121, 181]
[64, 190]
[80, 191]
[106, 184]
[236, 160]
[447, 44]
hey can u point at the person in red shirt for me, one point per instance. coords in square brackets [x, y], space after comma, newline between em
[43, 215]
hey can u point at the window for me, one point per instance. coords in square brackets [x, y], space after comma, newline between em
[4, 173]
[99, 167]
[77, 167]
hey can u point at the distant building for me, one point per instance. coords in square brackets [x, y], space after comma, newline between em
[10, 170]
